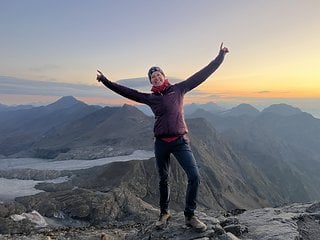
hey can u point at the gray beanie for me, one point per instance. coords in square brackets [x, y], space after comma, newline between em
[154, 69]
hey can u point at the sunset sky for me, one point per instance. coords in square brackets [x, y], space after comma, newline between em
[51, 49]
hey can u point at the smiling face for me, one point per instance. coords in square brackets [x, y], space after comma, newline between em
[157, 79]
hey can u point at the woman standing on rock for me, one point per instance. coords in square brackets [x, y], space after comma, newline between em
[166, 102]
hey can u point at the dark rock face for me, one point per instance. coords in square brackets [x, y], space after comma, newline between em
[277, 223]
[309, 227]
[314, 208]
[309, 223]
[7, 225]
[7, 209]
[90, 206]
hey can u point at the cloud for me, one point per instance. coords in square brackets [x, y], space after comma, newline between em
[10, 85]
[141, 84]
[215, 96]
[18, 86]
[134, 82]
[24, 87]
[267, 92]
[262, 92]
[44, 68]
[197, 93]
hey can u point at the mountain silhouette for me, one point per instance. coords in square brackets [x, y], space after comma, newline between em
[65, 102]
[20, 129]
[242, 109]
[210, 107]
[283, 147]
[282, 109]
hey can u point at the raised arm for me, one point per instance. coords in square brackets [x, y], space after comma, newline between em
[122, 90]
[200, 76]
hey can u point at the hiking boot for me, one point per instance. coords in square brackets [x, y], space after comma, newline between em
[195, 223]
[163, 219]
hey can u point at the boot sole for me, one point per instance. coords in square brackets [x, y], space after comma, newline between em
[199, 230]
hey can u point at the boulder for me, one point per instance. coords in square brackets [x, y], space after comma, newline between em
[315, 207]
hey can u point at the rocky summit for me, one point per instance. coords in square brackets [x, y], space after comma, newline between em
[291, 222]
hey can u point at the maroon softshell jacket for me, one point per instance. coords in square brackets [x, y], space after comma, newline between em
[167, 106]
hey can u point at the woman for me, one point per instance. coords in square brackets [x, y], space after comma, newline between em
[170, 129]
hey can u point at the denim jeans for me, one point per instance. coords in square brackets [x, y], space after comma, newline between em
[181, 150]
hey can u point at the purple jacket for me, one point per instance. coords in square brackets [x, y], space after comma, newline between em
[167, 106]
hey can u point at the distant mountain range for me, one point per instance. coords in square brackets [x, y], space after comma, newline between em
[281, 141]
[247, 158]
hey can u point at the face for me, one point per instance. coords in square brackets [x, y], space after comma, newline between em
[157, 79]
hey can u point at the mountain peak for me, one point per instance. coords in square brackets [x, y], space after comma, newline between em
[209, 107]
[69, 99]
[242, 109]
[282, 109]
[64, 102]
[125, 113]
[131, 110]
[2, 106]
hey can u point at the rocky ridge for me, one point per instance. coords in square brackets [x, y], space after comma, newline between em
[292, 222]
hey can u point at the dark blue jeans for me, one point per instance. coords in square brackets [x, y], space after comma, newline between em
[181, 150]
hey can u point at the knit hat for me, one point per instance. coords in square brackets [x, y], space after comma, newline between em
[154, 69]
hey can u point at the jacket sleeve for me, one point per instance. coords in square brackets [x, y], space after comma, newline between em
[125, 91]
[200, 76]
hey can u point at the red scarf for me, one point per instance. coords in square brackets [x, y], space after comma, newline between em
[159, 89]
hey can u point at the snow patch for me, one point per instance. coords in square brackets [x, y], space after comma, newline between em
[44, 164]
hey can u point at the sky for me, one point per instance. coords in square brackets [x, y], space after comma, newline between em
[51, 49]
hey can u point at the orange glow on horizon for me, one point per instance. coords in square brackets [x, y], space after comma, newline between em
[273, 87]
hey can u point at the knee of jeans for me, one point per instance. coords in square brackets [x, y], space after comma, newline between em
[194, 178]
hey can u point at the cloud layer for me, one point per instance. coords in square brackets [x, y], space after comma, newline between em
[16, 88]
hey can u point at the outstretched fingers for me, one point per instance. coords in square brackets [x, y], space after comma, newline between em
[223, 49]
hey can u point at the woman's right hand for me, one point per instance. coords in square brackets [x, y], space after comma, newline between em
[223, 49]
[100, 76]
